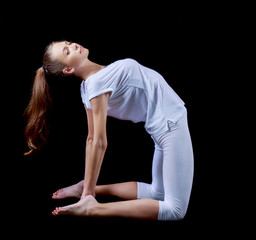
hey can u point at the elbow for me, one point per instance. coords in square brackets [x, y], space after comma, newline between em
[89, 139]
[100, 143]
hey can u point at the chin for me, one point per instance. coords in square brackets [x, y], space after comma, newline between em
[86, 52]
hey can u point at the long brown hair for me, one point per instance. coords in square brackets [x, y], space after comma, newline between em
[37, 112]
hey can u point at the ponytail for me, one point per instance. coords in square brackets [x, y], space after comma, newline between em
[37, 129]
[37, 112]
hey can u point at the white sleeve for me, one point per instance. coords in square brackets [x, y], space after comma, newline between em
[84, 96]
[82, 91]
[97, 87]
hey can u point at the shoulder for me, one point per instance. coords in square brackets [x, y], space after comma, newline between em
[123, 65]
[128, 61]
[111, 72]
[125, 61]
[82, 87]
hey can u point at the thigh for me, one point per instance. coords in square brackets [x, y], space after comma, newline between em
[178, 162]
[157, 170]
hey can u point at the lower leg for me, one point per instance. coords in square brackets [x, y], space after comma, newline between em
[89, 207]
[137, 209]
[127, 190]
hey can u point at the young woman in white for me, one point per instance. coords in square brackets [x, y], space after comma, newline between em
[128, 91]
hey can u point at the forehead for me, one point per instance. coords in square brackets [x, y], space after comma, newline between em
[57, 50]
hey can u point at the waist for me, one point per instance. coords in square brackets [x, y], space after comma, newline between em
[168, 124]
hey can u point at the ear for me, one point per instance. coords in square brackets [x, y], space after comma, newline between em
[68, 70]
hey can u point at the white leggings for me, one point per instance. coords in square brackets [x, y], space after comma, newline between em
[172, 172]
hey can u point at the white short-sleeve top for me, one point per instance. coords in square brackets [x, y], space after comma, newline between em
[138, 93]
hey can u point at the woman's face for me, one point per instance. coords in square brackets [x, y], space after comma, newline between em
[70, 54]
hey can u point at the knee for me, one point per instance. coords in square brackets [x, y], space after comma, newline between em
[145, 190]
[156, 193]
[171, 210]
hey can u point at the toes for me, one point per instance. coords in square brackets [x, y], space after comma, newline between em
[59, 191]
[57, 194]
[56, 211]
[54, 196]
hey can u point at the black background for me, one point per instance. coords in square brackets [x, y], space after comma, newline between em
[187, 44]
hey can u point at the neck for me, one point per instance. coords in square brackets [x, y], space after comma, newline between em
[87, 68]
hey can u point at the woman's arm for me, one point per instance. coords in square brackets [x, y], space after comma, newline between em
[90, 123]
[90, 134]
[97, 144]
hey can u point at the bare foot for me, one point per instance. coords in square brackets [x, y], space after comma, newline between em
[71, 191]
[83, 208]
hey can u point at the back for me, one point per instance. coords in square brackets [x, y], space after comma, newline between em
[138, 94]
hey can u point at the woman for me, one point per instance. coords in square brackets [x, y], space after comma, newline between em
[129, 91]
